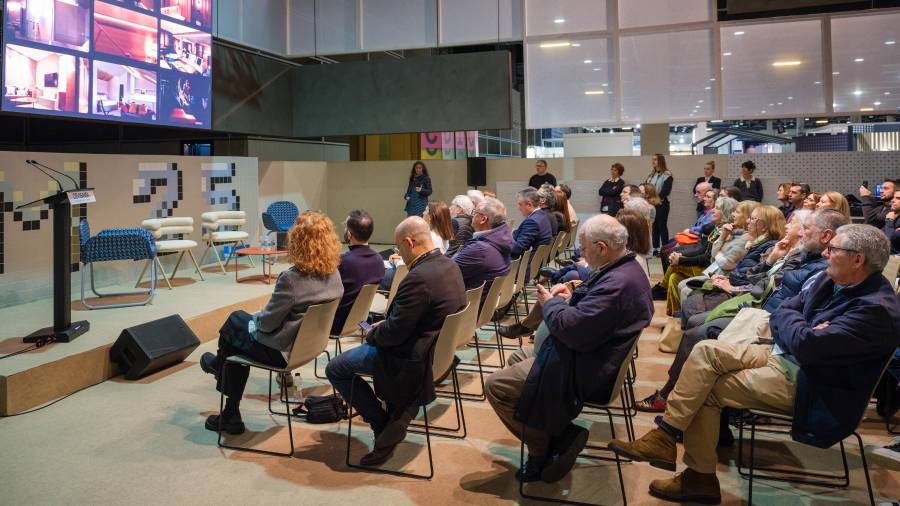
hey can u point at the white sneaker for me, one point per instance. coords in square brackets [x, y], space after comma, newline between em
[890, 451]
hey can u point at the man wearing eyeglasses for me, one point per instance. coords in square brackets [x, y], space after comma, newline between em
[591, 331]
[831, 343]
[485, 256]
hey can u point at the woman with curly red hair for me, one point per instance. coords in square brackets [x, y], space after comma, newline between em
[268, 336]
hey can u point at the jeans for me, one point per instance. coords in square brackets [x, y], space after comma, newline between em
[341, 372]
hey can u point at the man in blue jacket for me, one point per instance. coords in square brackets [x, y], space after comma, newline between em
[486, 256]
[831, 343]
[591, 331]
[536, 228]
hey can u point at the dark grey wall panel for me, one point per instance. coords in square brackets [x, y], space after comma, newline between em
[251, 93]
[428, 94]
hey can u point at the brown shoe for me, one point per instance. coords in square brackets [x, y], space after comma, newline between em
[514, 331]
[656, 447]
[689, 486]
[378, 456]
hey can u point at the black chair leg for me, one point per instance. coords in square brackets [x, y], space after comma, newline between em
[389, 471]
[287, 413]
[862, 455]
[449, 432]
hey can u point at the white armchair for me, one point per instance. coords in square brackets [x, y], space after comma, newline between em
[212, 221]
[160, 228]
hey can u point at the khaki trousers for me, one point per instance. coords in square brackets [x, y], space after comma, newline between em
[503, 389]
[718, 375]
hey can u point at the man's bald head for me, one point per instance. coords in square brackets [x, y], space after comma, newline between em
[413, 237]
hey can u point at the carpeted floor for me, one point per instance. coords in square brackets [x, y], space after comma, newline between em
[144, 443]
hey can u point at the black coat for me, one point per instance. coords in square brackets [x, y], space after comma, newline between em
[431, 291]
[610, 196]
[590, 338]
[840, 364]
[751, 191]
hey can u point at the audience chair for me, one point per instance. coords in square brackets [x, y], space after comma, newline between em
[212, 221]
[359, 312]
[554, 247]
[116, 244]
[383, 299]
[310, 342]
[445, 364]
[784, 421]
[595, 408]
[451, 323]
[163, 227]
[519, 287]
[534, 268]
[892, 270]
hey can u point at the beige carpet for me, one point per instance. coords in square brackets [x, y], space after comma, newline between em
[144, 443]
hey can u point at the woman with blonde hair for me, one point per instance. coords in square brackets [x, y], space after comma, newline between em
[834, 200]
[268, 336]
[650, 195]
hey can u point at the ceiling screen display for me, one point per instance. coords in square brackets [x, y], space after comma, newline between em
[141, 61]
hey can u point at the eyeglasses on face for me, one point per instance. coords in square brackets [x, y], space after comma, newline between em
[831, 249]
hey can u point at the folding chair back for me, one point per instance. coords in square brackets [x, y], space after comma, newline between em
[892, 269]
[313, 334]
[491, 302]
[539, 258]
[445, 346]
[360, 310]
[620, 377]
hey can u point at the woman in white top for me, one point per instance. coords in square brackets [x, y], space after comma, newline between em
[437, 215]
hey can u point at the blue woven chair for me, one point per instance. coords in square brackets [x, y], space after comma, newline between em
[280, 216]
[116, 244]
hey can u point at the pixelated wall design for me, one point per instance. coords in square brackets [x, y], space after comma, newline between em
[163, 179]
[217, 186]
[31, 218]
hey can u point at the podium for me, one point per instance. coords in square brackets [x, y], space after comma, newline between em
[64, 329]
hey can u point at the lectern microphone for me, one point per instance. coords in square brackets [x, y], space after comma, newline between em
[58, 184]
[39, 164]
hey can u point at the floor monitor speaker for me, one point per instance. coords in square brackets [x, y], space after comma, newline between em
[476, 173]
[151, 346]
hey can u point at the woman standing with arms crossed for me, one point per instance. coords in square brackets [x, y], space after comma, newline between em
[611, 191]
[417, 190]
[661, 179]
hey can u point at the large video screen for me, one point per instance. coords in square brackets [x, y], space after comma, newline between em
[141, 61]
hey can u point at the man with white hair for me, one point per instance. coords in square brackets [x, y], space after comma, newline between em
[591, 331]
[461, 208]
[831, 343]
[476, 196]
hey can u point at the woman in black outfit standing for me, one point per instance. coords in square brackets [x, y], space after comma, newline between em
[611, 191]
[751, 188]
[418, 190]
[661, 179]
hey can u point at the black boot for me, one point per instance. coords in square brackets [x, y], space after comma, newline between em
[514, 331]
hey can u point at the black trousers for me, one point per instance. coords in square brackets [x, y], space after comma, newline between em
[234, 339]
[661, 224]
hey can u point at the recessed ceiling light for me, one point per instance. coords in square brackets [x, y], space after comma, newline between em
[712, 78]
[889, 42]
[596, 70]
[788, 63]
[866, 109]
[605, 85]
[857, 92]
[876, 103]
[818, 82]
[821, 121]
[708, 88]
[780, 103]
[594, 92]
[763, 111]
[699, 101]
[771, 105]
[859, 60]
[576, 44]
[555, 44]
[739, 33]
[559, 20]
[835, 73]
[790, 98]
[588, 61]
[726, 54]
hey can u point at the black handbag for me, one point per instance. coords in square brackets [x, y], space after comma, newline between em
[322, 408]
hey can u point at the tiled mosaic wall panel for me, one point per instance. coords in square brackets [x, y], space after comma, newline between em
[129, 189]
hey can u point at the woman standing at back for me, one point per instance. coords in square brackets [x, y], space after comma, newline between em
[661, 179]
[417, 190]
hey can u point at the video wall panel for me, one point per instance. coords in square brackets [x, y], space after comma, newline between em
[141, 61]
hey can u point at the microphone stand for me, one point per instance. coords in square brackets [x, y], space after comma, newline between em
[36, 163]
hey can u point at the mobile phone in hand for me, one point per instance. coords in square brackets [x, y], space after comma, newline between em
[365, 326]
